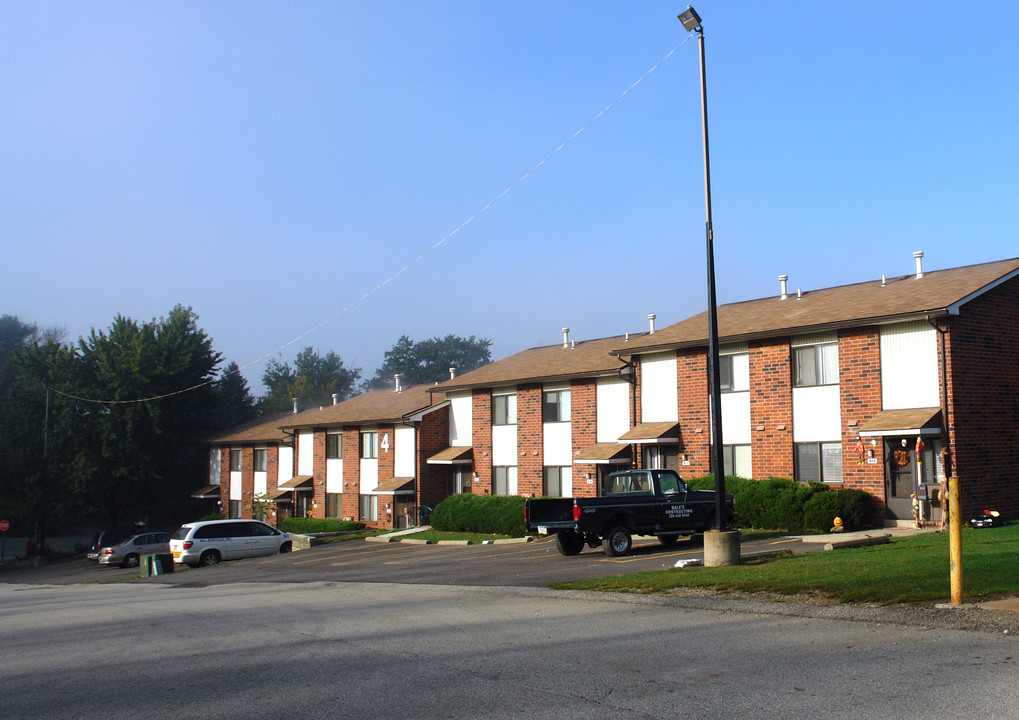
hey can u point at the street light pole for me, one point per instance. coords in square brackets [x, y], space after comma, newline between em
[692, 22]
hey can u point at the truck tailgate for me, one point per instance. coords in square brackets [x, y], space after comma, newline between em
[549, 513]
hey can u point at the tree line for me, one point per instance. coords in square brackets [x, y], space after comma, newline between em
[111, 428]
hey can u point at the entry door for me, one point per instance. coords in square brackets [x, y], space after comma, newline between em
[900, 478]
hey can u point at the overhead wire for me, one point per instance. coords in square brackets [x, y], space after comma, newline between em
[364, 296]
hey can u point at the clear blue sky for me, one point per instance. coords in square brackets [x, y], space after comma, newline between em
[269, 163]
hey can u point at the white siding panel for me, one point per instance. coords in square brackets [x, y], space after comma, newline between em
[334, 475]
[558, 443]
[286, 464]
[909, 366]
[736, 418]
[215, 465]
[235, 486]
[404, 460]
[816, 416]
[305, 452]
[613, 407]
[567, 482]
[460, 421]
[504, 445]
[369, 475]
[658, 387]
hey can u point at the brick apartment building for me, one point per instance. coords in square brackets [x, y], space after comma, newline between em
[880, 386]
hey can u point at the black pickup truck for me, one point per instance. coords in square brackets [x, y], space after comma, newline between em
[632, 502]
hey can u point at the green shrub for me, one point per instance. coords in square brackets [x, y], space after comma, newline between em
[780, 503]
[853, 506]
[318, 525]
[490, 514]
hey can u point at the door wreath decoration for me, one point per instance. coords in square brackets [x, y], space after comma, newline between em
[901, 457]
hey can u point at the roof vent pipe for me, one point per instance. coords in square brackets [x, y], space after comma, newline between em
[627, 339]
[566, 337]
[918, 256]
[396, 377]
[336, 398]
[783, 285]
[799, 294]
[651, 323]
[452, 373]
[883, 281]
[295, 406]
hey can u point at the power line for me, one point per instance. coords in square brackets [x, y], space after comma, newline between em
[406, 267]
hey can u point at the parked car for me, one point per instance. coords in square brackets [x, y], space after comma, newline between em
[116, 535]
[211, 541]
[129, 552]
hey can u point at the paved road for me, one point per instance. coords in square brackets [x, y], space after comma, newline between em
[375, 650]
[535, 564]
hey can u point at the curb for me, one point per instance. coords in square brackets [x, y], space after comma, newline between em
[861, 542]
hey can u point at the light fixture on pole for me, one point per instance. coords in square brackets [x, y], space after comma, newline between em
[692, 23]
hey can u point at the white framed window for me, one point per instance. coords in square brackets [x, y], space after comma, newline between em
[734, 372]
[736, 459]
[369, 507]
[816, 364]
[369, 444]
[260, 459]
[504, 409]
[819, 462]
[235, 460]
[504, 480]
[553, 481]
[334, 446]
[555, 406]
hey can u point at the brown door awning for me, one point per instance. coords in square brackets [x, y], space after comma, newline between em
[913, 421]
[453, 456]
[604, 454]
[301, 483]
[652, 432]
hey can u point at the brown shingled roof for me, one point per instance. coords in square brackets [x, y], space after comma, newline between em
[385, 405]
[262, 429]
[588, 358]
[844, 306]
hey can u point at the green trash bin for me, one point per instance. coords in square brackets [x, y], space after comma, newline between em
[155, 564]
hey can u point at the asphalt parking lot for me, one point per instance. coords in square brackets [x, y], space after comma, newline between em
[523, 564]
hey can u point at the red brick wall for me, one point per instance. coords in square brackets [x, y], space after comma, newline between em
[584, 428]
[530, 441]
[984, 400]
[351, 473]
[771, 409]
[318, 474]
[432, 436]
[481, 412]
[860, 399]
[694, 415]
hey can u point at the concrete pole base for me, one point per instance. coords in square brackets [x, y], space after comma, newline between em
[721, 547]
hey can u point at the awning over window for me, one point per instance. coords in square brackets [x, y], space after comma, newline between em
[209, 491]
[654, 432]
[915, 421]
[453, 456]
[395, 486]
[300, 483]
[604, 454]
[278, 496]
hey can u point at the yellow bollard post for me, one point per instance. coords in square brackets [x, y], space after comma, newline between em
[955, 540]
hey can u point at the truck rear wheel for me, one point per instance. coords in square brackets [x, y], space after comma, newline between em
[568, 542]
[617, 541]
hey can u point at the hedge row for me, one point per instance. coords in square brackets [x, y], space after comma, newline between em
[784, 504]
[490, 514]
[318, 525]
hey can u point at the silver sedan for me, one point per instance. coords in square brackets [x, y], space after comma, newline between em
[129, 552]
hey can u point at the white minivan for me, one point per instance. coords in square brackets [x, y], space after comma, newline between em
[208, 542]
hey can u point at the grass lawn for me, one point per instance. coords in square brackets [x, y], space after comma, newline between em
[908, 569]
[437, 535]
